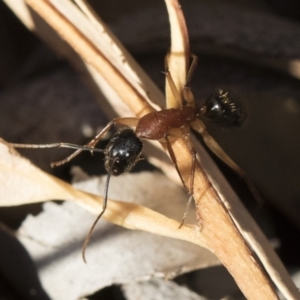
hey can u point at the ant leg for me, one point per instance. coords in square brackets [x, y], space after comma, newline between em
[97, 138]
[184, 133]
[173, 158]
[187, 93]
[191, 69]
[187, 209]
[198, 126]
[176, 96]
[190, 190]
[192, 177]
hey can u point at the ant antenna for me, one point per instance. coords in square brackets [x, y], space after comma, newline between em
[121, 154]
[83, 148]
[88, 237]
[57, 145]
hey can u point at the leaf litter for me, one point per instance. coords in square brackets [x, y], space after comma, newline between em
[115, 255]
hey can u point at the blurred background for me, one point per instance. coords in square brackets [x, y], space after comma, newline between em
[249, 47]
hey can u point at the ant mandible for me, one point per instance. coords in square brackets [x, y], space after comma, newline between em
[125, 147]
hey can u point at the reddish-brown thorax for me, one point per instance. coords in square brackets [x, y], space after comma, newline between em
[155, 126]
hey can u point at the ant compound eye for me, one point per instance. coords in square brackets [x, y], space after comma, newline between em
[223, 108]
[122, 152]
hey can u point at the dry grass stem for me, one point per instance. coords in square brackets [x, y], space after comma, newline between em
[218, 231]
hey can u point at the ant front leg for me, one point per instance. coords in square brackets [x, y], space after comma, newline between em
[118, 121]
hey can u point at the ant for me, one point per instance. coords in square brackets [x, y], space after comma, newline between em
[124, 149]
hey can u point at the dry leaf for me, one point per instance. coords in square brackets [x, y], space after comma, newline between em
[34, 185]
[115, 255]
[162, 289]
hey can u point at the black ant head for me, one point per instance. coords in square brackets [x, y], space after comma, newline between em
[223, 108]
[122, 152]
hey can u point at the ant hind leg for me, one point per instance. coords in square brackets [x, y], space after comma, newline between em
[219, 152]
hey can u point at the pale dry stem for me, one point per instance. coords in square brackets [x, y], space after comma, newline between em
[218, 233]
